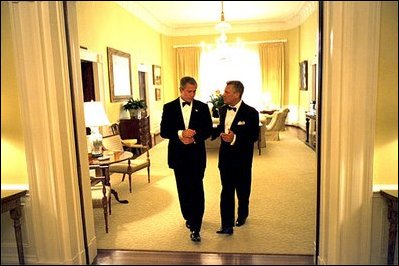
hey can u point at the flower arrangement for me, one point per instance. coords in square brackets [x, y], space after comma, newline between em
[217, 99]
[217, 102]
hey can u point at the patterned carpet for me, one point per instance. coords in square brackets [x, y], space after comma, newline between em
[282, 206]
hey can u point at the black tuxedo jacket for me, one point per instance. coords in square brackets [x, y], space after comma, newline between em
[179, 154]
[246, 128]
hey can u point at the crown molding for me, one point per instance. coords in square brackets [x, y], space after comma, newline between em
[137, 10]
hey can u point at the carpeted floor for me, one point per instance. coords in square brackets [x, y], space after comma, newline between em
[282, 206]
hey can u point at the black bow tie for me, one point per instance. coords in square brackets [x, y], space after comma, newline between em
[231, 108]
[186, 103]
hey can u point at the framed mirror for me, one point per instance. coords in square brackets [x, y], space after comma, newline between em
[119, 74]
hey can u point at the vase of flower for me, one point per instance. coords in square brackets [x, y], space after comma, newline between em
[215, 112]
[217, 102]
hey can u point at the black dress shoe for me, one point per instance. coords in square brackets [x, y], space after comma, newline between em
[188, 225]
[195, 236]
[226, 231]
[240, 222]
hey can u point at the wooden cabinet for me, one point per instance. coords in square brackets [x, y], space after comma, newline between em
[136, 129]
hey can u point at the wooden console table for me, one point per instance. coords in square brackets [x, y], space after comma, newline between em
[309, 142]
[11, 201]
[391, 196]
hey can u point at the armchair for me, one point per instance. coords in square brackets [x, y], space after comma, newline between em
[115, 143]
[276, 124]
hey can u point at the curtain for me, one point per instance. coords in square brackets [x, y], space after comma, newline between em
[272, 69]
[188, 62]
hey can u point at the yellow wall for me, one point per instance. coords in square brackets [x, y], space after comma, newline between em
[106, 24]
[170, 86]
[386, 136]
[308, 51]
[13, 158]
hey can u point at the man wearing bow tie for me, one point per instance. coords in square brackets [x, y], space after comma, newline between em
[238, 130]
[187, 123]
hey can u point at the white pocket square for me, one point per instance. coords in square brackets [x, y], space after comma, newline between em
[240, 123]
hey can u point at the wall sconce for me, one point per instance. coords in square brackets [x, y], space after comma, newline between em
[95, 117]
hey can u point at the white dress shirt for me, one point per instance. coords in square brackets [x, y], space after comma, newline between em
[186, 112]
[230, 115]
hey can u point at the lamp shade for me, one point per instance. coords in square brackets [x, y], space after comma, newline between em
[95, 114]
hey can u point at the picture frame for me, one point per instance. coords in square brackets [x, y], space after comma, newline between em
[119, 75]
[303, 70]
[157, 94]
[156, 75]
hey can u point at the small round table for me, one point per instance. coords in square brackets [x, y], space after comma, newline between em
[109, 157]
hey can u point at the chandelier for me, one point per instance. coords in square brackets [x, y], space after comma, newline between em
[222, 27]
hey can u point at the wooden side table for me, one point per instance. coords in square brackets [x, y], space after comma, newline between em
[310, 142]
[11, 201]
[391, 196]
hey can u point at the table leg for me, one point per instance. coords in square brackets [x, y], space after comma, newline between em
[113, 192]
[307, 129]
[260, 139]
[16, 215]
[393, 224]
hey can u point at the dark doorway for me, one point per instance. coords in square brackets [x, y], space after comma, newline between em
[142, 87]
[87, 81]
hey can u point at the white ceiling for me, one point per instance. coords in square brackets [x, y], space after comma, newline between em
[181, 18]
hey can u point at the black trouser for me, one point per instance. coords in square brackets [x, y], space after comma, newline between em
[234, 180]
[190, 189]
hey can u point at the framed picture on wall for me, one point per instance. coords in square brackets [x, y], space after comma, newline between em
[156, 75]
[157, 94]
[303, 70]
[119, 74]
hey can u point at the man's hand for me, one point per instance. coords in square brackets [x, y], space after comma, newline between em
[227, 137]
[188, 136]
[187, 140]
[188, 133]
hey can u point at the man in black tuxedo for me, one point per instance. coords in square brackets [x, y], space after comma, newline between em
[187, 123]
[238, 130]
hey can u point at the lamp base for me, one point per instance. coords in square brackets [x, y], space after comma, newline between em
[96, 155]
[96, 141]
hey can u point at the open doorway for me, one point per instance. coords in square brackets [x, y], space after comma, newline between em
[142, 87]
[144, 92]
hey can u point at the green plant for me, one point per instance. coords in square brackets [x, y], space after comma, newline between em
[134, 104]
[217, 99]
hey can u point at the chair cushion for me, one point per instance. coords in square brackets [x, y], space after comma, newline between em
[129, 142]
[122, 167]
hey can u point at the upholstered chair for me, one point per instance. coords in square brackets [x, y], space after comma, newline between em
[276, 124]
[115, 143]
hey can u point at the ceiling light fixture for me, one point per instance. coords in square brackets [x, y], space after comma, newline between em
[222, 27]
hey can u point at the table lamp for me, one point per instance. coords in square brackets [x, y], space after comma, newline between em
[94, 118]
